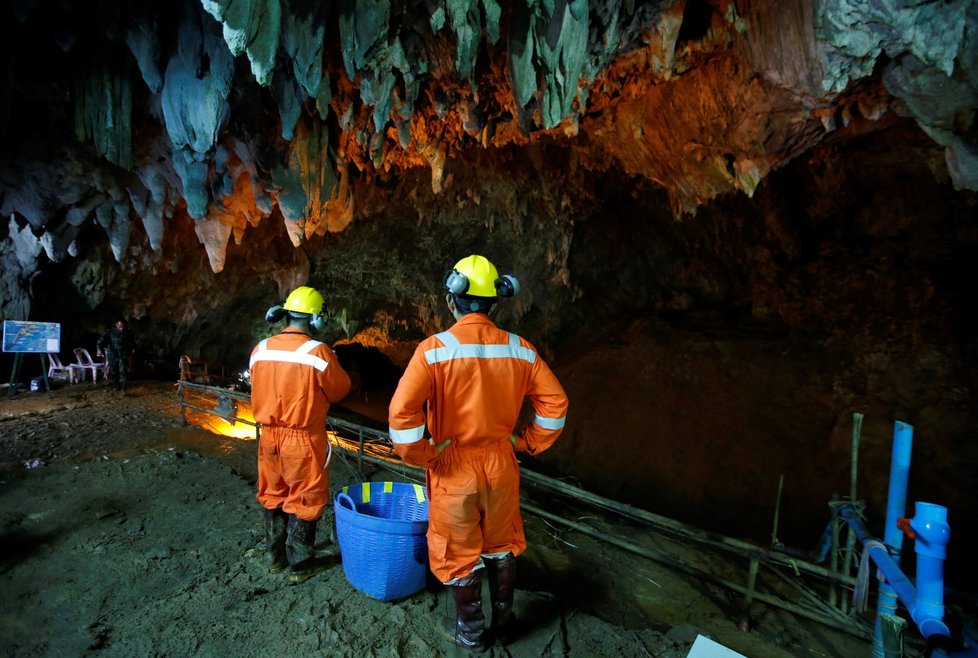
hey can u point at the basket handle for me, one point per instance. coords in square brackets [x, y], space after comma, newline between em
[346, 501]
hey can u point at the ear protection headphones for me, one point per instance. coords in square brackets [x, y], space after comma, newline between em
[317, 322]
[274, 314]
[458, 284]
[507, 286]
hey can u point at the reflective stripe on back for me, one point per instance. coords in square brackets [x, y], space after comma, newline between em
[300, 355]
[455, 350]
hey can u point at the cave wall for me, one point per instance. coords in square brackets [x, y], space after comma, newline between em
[743, 340]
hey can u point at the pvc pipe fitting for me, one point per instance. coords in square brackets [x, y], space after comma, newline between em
[932, 535]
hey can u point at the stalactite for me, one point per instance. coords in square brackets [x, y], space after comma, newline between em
[103, 110]
[155, 194]
[305, 198]
[252, 27]
[303, 29]
[213, 233]
[143, 40]
[289, 96]
[466, 23]
[363, 26]
[195, 106]
[548, 50]
[114, 218]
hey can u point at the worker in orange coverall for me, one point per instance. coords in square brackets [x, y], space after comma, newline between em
[293, 381]
[468, 384]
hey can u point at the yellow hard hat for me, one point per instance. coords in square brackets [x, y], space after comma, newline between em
[304, 300]
[473, 275]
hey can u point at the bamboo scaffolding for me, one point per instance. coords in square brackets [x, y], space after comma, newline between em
[849, 627]
[671, 526]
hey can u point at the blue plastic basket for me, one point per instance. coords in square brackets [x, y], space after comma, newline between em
[381, 529]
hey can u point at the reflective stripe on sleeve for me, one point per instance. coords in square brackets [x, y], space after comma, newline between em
[549, 423]
[406, 436]
[456, 350]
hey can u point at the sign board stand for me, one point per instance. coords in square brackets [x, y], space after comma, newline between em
[21, 338]
[12, 389]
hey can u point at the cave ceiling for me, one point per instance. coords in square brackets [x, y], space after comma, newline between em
[129, 115]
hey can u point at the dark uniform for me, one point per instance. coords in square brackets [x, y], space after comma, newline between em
[117, 344]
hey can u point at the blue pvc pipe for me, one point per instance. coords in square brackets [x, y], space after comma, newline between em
[927, 608]
[896, 507]
[932, 535]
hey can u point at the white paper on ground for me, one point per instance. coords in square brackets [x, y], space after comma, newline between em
[704, 647]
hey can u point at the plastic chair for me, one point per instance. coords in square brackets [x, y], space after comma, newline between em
[84, 362]
[55, 366]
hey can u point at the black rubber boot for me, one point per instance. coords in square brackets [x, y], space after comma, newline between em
[276, 530]
[328, 546]
[300, 549]
[502, 583]
[470, 623]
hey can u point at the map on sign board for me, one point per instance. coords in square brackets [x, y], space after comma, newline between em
[31, 336]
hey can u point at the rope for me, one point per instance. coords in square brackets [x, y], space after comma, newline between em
[860, 594]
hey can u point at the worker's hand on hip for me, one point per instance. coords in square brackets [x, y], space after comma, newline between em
[440, 447]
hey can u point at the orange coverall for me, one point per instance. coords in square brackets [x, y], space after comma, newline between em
[293, 381]
[473, 379]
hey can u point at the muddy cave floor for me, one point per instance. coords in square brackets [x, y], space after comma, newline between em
[125, 533]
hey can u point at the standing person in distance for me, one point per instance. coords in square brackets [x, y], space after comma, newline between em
[467, 385]
[294, 379]
[117, 345]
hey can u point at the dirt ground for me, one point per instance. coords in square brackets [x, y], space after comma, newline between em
[126, 534]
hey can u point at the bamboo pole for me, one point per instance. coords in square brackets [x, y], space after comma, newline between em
[216, 390]
[702, 575]
[777, 513]
[749, 595]
[183, 404]
[857, 423]
[807, 594]
[360, 454]
[834, 558]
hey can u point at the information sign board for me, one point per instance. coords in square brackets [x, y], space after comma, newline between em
[31, 337]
